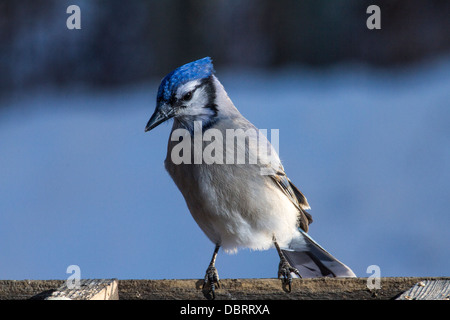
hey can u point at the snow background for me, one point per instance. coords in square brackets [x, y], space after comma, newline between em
[81, 183]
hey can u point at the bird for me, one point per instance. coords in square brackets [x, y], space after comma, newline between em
[237, 204]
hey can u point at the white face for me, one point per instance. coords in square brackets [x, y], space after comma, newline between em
[192, 97]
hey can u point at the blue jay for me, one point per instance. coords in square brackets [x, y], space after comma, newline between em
[236, 205]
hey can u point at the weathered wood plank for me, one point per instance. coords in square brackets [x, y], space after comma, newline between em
[266, 289]
[230, 289]
[428, 290]
[89, 289]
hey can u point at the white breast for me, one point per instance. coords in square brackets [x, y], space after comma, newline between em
[234, 204]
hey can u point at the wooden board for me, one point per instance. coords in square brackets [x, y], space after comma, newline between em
[428, 290]
[88, 289]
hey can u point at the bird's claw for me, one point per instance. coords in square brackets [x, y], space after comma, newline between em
[284, 272]
[211, 278]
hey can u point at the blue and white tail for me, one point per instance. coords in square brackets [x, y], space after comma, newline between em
[313, 261]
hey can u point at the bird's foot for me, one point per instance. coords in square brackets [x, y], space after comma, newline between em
[284, 272]
[211, 280]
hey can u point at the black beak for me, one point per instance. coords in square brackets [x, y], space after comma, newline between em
[160, 115]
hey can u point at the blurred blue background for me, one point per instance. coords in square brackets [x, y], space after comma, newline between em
[364, 120]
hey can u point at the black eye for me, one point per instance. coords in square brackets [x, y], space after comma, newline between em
[187, 96]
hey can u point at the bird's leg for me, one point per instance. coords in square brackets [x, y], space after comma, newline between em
[284, 268]
[212, 277]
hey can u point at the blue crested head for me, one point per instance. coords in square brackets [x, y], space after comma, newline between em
[199, 69]
[168, 105]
